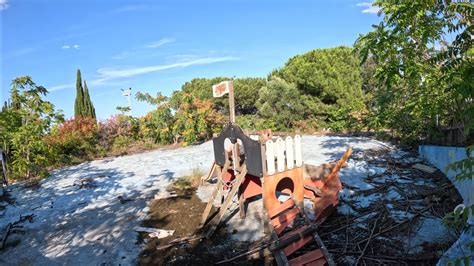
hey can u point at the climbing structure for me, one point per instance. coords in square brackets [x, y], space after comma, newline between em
[269, 166]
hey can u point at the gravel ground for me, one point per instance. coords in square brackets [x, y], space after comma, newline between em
[85, 214]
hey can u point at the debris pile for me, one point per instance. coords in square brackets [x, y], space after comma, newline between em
[391, 210]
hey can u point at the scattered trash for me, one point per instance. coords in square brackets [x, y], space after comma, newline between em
[165, 195]
[14, 225]
[153, 232]
[85, 183]
[123, 200]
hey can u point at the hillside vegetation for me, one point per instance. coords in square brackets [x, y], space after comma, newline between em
[403, 76]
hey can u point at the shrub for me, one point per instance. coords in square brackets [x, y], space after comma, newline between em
[156, 125]
[120, 128]
[188, 182]
[75, 140]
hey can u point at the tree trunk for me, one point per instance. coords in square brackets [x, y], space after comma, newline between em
[4, 167]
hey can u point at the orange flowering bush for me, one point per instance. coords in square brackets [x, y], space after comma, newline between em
[75, 139]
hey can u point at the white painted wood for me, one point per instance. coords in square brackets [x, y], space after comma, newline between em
[270, 157]
[298, 153]
[290, 153]
[280, 155]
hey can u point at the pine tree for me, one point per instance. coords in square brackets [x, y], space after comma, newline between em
[89, 109]
[79, 103]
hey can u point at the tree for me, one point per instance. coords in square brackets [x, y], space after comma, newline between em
[279, 102]
[426, 78]
[195, 119]
[83, 106]
[330, 83]
[409, 48]
[25, 123]
[89, 109]
[245, 89]
[157, 124]
[79, 102]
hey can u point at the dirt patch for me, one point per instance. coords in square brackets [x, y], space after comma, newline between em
[183, 214]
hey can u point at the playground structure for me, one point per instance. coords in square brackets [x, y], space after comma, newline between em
[272, 168]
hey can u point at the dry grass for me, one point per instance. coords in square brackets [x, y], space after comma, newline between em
[189, 182]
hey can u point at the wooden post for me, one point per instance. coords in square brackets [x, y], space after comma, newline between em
[231, 102]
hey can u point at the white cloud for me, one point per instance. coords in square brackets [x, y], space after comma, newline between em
[116, 73]
[61, 87]
[105, 75]
[143, 50]
[4, 4]
[369, 8]
[127, 8]
[121, 55]
[159, 43]
[67, 46]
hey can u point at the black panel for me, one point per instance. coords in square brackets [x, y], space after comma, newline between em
[252, 148]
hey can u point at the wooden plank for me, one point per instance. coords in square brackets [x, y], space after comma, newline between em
[242, 205]
[208, 176]
[315, 257]
[278, 254]
[210, 203]
[284, 206]
[303, 240]
[282, 221]
[228, 200]
[316, 237]
[424, 168]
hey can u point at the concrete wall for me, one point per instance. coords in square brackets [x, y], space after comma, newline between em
[441, 157]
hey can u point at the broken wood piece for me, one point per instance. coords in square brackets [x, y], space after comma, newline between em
[424, 168]
[178, 241]
[165, 195]
[154, 232]
[209, 174]
[123, 200]
[5, 235]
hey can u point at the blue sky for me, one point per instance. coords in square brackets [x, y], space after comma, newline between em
[154, 46]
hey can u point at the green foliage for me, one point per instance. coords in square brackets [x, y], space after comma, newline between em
[195, 119]
[246, 93]
[88, 106]
[156, 125]
[123, 109]
[413, 83]
[26, 121]
[74, 140]
[79, 102]
[420, 76]
[83, 106]
[330, 83]
[279, 101]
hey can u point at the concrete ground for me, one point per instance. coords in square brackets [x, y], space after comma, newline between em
[85, 214]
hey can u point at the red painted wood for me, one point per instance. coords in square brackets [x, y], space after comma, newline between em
[315, 257]
[290, 249]
[282, 207]
[252, 186]
[282, 221]
[297, 244]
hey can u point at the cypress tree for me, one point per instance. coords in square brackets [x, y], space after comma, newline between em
[79, 103]
[89, 109]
